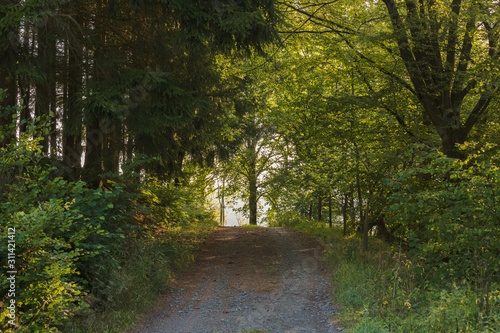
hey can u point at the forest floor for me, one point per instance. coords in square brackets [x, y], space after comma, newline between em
[249, 280]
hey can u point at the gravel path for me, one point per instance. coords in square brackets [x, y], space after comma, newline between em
[249, 280]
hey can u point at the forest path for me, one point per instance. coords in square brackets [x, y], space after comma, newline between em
[249, 280]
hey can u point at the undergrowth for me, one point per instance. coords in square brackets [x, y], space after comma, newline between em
[150, 264]
[383, 290]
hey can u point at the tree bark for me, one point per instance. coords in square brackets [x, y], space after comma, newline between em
[222, 203]
[93, 153]
[8, 80]
[320, 207]
[45, 88]
[382, 231]
[330, 222]
[365, 229]
[94, 135]
[112, 147]
[442, 84]
[24, 81]
[252, 187]
[344, 212]
[8, 104]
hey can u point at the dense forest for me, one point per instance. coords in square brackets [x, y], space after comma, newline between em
[126, 127]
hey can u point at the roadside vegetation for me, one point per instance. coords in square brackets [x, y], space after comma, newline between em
[391, 289]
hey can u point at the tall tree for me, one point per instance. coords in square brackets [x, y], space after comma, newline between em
[445, 54]
[73, 82]
[9, 32]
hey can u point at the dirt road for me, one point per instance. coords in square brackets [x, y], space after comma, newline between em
[249, 280]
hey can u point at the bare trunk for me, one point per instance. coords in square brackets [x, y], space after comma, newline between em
[330, 223]
[53, 118]
[252, 198]
[8, 83]
[344, 212]
[360, 199]
[93, 154]
[222, 203]
[112, 147]
[320, 207]
[44, 99]
[365, 229]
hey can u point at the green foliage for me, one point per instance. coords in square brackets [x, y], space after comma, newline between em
[47, 231]
[46, 293]
[64, 236]
[173, 204]
[450, 211]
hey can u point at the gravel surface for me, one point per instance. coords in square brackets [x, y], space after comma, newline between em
[248, 280]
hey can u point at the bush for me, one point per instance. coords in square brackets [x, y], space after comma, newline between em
[45, 294]
[64, 237]
[450, 211]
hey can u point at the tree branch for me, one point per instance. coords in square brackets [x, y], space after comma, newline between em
[478, 111]
[380, 68]
[458, 92]
[318, 19]
[404, 46]
[452, 35]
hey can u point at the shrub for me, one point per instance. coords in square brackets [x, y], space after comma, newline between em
[450, 210]
[64, 237]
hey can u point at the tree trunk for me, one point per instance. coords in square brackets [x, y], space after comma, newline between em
[344, 212]
[52, 85]
[222, 203]
[24, 81]
[352, 210]
[93, 153]
[53, 110]
[94, 135]
[8, 82]
[112, 146]
[360, 200]
[44, 88]
[129, 145]
[330, 223]
[73, 113]
[25, 115]
[320, 207]
[365, 229]
[440, 83]
[382, 231]
[252, 187]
